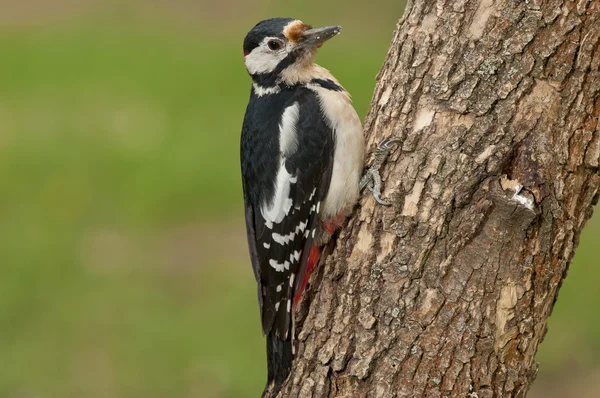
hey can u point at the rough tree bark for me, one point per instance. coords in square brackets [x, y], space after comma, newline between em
[447, 292]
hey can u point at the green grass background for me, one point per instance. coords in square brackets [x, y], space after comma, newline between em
[124, 266]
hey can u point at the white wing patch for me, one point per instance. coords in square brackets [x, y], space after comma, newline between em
[283, 239]
[288, 139]
[281, 203]
[295, 256]
[279, 267]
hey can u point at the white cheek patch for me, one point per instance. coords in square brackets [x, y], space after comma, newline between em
[262, 59]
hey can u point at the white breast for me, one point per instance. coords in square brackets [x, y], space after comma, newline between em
[349, 150]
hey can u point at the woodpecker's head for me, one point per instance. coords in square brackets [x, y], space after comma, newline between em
[282, 50]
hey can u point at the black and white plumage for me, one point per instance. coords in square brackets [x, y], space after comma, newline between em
[286, 167]
[302, 153]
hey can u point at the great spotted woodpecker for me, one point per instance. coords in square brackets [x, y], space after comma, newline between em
[302, 153]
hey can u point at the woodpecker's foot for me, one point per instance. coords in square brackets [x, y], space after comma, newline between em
[375, 189]
[372, 179]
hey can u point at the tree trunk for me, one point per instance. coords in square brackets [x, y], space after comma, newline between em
[448, 291]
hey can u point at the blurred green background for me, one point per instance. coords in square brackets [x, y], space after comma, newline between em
[124, 264]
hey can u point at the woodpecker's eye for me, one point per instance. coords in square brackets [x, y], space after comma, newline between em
[274, 45]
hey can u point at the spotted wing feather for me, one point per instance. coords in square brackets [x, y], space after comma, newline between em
[280, 227]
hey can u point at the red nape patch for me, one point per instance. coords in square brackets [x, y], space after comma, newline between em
[313, 259]
[245, 52]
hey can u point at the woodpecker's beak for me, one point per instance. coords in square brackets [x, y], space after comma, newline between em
[314, 38]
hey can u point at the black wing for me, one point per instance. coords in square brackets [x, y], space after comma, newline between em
[283, 191]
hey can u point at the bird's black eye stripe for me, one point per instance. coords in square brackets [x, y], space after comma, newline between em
[274, 45]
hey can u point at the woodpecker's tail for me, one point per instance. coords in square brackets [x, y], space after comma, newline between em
[279, 363]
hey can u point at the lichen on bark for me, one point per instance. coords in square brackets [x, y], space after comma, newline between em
[448, 291]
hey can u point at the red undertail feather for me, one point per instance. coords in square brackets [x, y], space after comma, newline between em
[313, 259]
[332, 224]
